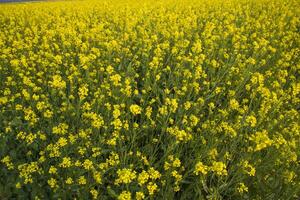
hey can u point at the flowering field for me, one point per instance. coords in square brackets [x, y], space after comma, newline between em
[150, 100]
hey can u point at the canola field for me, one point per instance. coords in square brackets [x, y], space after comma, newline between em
[147, 99]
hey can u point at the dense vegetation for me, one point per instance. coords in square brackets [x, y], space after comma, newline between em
[150, 100]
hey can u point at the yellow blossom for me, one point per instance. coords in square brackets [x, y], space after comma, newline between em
[135, 109]
[200, 168]
[139, 195]
[242, 188]
[219, 168]
[152, 188]
[125, 176]
[125, 195]
[81, 180]
[69, 181]
[52, 183]
[57, 82]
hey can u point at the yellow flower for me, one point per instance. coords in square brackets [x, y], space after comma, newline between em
[154, 174]
[18, 185]
[125, 176]
[57, 82]
[219, 168]
[62, 142]
[52, 170]
[289, 176]
[152, 188]
[211, 105]
[200, 168]
[7, 161]
[177, 176]
[69, 181]
[97, 177]
[194, 120]
[180, 135]
[81, 180]
[116, 79]
[109, 69]
[187, 105]
[48, 114]
[94, 193]
[163, 110]
[30, 116]
[139, 195]
[87, 164]
[27, 170]
[173, 104]
[176, 162]
[135, 109]
[261, 140]
[113, 159]
[242, 188]
[66, 162]
[251, 121]
[148, 112]
[83, 92]
[213, 153]
[61, 129]
[143, 177]
[248, 168]
[116, 112]
[233, 104]
[52, 183]
[125, 195]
